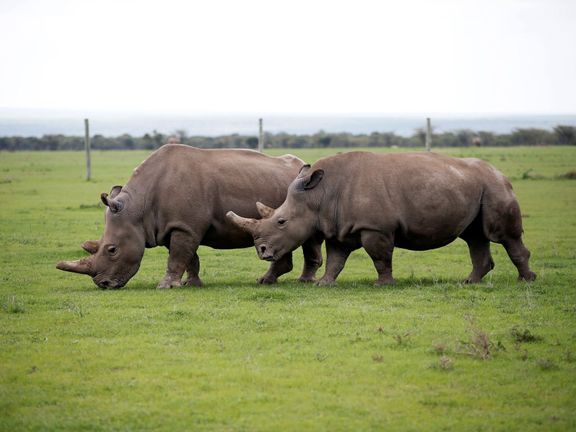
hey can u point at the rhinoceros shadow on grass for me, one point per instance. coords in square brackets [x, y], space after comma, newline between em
[178, 198]
[415, 201]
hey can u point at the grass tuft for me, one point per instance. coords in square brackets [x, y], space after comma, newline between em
[12, 305]
[403, 338]
[524, 335]
[479, 345]
[75, 309]
[569, 356]
[446, 363]
[530, 175]
[547, 364]
[440, 348]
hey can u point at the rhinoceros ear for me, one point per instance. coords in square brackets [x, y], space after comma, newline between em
[114, 205]
[115, 191]
[91, 246]
[312, 180]
[248, 225]
[265, 211]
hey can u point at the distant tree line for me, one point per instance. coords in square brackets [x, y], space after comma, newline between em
[560, 135]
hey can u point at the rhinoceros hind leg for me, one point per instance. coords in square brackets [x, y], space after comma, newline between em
[503, 224]
[312, 259]
[380, 248]
[193, 270]
[520, 257]
[277, 269]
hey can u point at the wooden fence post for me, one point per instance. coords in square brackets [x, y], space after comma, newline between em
[87, 145]
[428, 134]
[261, 137]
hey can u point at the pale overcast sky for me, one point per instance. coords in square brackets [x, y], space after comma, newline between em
[252, 56]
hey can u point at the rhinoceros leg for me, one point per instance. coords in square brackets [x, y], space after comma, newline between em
[182, 248]
[519, 256]
[482, 262]
[193, 270]
[503, 224]
[336, 255]
[312, 259]
[277, 269]
[380, 248]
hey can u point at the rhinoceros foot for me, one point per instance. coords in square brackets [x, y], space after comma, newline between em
[385, 281]
[527, 277]
[168, 283]
[267, 280]
[193, 281]
[326, 282]
[307, 279]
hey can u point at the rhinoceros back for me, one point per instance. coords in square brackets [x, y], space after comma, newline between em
[192, 189]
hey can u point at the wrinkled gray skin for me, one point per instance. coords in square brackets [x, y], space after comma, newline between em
[178, 198]
[415, 201]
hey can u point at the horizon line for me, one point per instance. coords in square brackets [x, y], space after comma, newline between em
[83, 112]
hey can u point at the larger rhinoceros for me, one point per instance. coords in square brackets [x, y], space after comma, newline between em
[415, 201]
[178, 198]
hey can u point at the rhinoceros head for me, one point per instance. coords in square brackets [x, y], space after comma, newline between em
[282, 230]
[116, 257]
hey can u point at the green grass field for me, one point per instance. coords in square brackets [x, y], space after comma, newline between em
[426, 354]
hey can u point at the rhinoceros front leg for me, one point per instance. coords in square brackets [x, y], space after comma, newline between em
[277, 269]
[380, 248]
[182, 248]
[193, 271]
[312, 259]
[336, 255]
[481, 257]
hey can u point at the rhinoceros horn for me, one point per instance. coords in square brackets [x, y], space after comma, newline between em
[91, 246]
[248, 225]
[82, 266]
[264, 210]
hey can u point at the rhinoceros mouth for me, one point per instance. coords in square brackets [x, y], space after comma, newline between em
[106, 283]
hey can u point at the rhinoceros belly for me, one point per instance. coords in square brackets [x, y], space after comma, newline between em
[431, 228]
[417, 242]
[226, 236]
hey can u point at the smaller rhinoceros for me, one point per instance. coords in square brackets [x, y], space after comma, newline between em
[178, 198]
[415, 201]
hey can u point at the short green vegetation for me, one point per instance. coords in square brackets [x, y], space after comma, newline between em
[426, 354]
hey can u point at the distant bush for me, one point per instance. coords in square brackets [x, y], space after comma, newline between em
[562, 135]
[566, 135]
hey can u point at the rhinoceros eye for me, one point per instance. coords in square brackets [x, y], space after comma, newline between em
[112, 250]
[281, 221]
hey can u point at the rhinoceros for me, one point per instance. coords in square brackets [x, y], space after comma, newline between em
[178, 198]
[415, 201]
